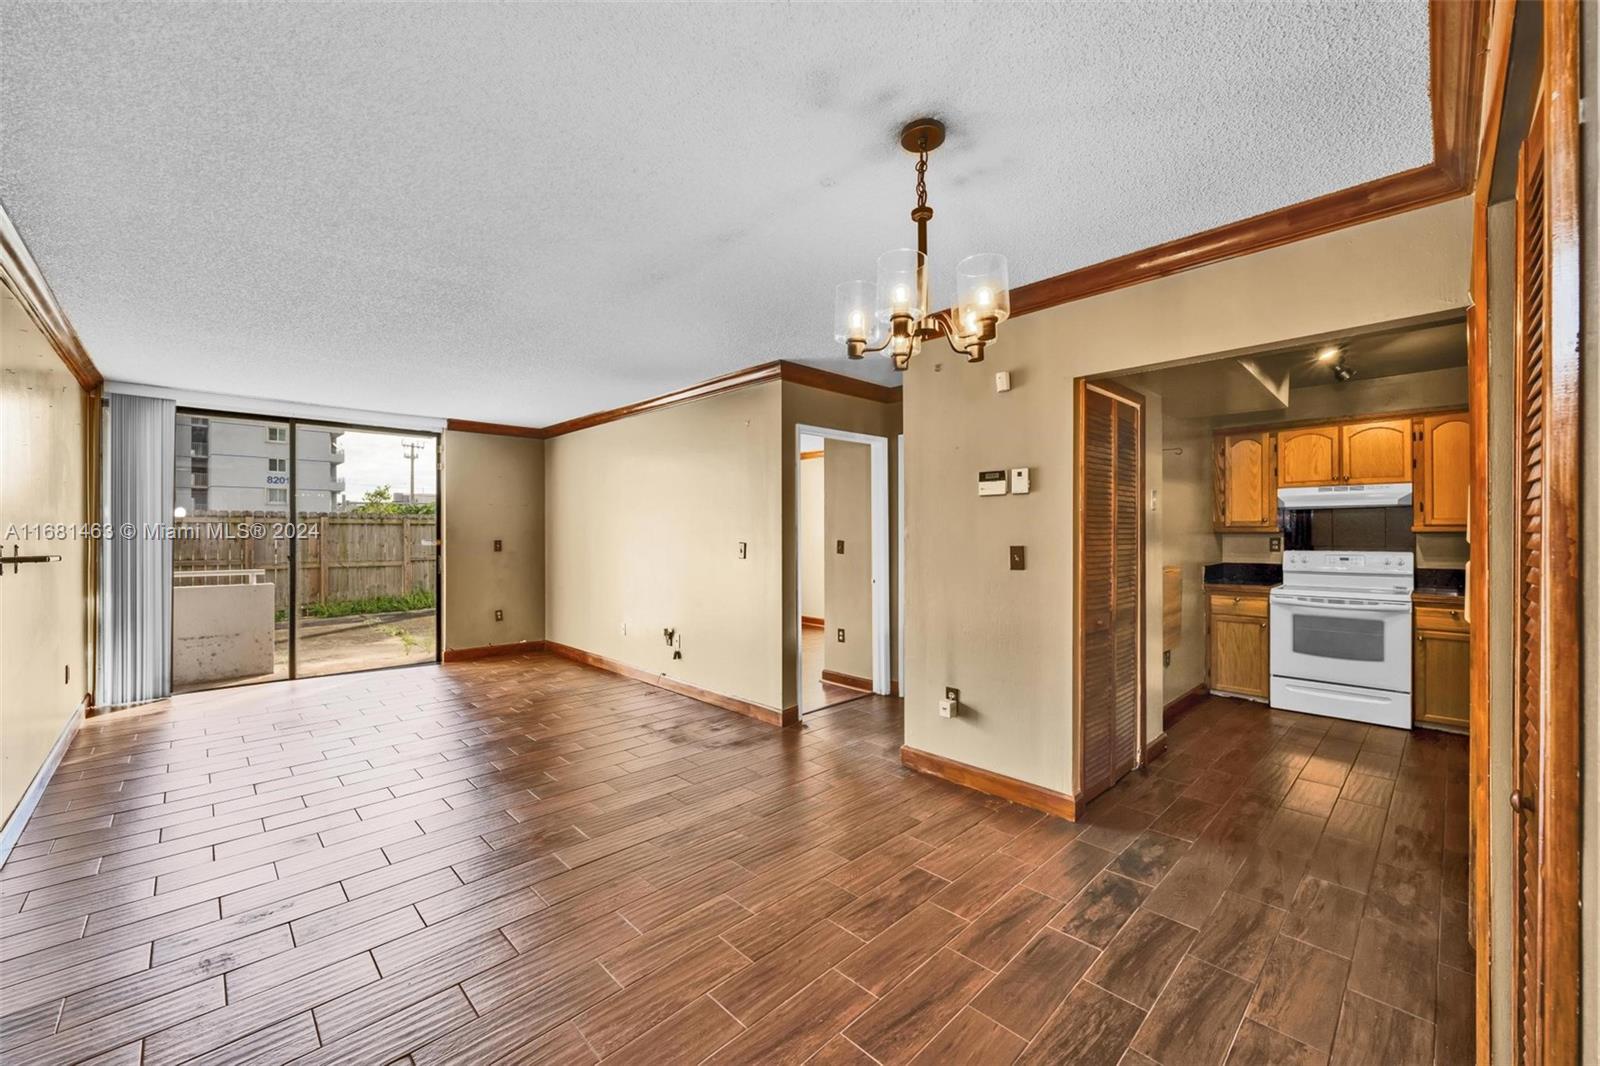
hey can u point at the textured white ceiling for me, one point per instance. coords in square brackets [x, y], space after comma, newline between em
[522, 213]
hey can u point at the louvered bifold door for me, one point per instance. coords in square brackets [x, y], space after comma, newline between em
[1547, 767]
[1111, 570]
[1531, 333]
[1097, 684]
[1127, 633]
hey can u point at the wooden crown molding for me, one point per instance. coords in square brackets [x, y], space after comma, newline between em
[1456, 46]
[777, 370]
[21, 274]
[500, 429]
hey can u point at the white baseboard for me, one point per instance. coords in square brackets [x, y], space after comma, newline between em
[30, 799]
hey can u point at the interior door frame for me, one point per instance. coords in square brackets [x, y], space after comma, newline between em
[1560, 88]
[1128, 396]
[294, 423]
[879, 460]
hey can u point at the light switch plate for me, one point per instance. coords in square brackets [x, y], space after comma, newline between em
[743, 550]
[1019, 557]
[1020, 480]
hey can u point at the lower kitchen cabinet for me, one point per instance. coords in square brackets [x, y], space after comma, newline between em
[1440, 668]
[1238, 643]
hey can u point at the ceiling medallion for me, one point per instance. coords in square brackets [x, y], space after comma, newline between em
[900, 299]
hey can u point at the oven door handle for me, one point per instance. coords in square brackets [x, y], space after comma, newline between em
[1381, 608]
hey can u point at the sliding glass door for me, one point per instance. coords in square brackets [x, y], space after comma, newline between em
[367, 504]
[300, 549]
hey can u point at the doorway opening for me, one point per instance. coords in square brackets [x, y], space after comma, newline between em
[301, 549]
[842, 563]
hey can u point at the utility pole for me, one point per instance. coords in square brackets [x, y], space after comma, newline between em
[412, 449]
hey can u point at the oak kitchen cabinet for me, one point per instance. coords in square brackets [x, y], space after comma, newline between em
[1440, 667]
[1375, 453]
[1308, 456]
[1238, 643]
[1244, 495]
[1441, 460]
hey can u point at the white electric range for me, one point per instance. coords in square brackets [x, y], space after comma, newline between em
[1341, 636]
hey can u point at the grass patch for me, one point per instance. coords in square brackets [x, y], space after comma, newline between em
[419, 600]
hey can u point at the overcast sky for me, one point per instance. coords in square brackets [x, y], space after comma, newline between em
[373, 459]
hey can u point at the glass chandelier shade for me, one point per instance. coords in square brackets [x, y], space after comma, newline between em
[855, 314]
[983, 289]
[900, 284]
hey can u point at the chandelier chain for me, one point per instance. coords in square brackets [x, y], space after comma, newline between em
[922, 179]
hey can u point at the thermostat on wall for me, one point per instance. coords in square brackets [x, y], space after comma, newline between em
[991, 483]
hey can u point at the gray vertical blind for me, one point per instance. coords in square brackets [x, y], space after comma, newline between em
[135, 660]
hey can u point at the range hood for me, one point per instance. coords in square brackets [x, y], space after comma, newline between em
[1326, 496]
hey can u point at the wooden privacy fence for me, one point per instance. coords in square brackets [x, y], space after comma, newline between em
[342, 557]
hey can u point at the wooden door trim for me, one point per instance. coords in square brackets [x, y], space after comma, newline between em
[1125, 395]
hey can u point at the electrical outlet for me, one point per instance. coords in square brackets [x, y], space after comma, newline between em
[66, 678]
[1166, 657]
[841, 636]
[498, 546]
[624, 629]
[499, 615]
[838, 547]
[743, 550]
[1274, 544]
[950, 706]
[669, 634]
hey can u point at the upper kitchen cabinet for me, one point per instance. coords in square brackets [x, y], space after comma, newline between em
[1308, 456]
[1375, 453]
[1244, 490]
[1441, 459]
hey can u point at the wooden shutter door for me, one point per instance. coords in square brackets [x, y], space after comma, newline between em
[1546, 795]
[1110, 576]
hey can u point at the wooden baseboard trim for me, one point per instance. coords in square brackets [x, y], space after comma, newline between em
[1182, 706]
[987, 781]
[767, 715]
[834, 677]
[18, 819]
[811, 621]
[1156, 748]
[489, 651]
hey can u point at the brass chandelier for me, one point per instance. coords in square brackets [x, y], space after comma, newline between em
[894, 315]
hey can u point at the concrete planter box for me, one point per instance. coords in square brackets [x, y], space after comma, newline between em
[221, 632]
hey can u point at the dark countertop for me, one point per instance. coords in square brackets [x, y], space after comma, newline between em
[1265, 575]
[1440, 582]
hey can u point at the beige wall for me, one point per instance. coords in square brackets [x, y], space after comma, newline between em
[813, 563]
[643, 517]
[1187, 541]
[493, 490]
[44, 624]
[847, 516]
[1004, 637]
[804, 405]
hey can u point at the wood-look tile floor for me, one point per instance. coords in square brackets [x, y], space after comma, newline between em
[525, 860]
